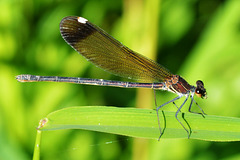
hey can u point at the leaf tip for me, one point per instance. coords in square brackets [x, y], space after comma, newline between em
[42, 123]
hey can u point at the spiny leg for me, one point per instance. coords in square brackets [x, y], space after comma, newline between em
[200, 108]
[179, 109]
[190, 107]
[155, 99]
[176, 98]
[157, 109]
[175, 105]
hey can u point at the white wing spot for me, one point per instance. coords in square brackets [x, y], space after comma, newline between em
[82, 20]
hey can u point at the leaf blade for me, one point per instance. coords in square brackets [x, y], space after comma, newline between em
[143, 123]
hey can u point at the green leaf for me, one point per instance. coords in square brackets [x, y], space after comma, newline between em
[143, 123]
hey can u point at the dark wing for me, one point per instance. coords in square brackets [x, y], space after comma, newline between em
[104, 51]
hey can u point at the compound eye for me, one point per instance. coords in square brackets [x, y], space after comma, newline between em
[199, 83]
[198, 93]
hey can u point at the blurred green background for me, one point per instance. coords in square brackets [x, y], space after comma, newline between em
[198, 39]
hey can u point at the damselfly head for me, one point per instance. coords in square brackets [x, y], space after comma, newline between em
[200, 91]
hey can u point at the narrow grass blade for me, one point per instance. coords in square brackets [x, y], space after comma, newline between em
[36, 153]
[143, 123]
